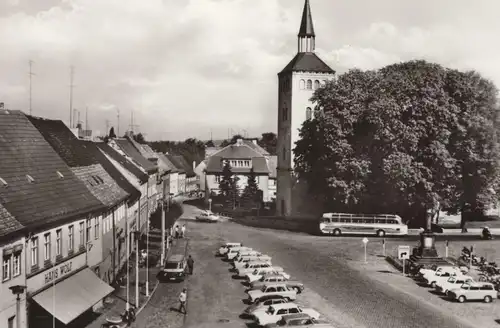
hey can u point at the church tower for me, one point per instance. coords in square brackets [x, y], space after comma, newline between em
[297, 81]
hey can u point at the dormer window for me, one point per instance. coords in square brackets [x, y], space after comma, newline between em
[3, 182]
[30, 178]
[60, 174]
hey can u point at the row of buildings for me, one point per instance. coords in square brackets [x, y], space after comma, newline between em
[67, 207]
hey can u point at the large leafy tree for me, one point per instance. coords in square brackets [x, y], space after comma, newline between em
[409, 138]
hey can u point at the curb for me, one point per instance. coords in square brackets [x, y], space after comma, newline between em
[149, 298]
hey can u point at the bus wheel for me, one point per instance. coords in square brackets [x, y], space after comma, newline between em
[380, 233]
[337, 232]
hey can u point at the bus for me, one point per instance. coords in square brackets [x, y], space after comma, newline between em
[379, 225]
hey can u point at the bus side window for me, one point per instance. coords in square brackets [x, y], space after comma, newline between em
[334, 220]
[393, 221]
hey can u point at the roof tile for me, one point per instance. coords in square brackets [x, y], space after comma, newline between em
[108, 150]
[129, 149]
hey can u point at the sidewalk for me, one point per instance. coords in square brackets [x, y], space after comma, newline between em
[114, 304]
[458, 232]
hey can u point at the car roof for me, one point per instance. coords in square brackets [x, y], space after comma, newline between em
[231, 244]
[275, 284]
[279, 306]
[296, 316]
[273, 275]
[258, 262]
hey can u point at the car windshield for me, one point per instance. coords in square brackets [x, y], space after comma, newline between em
[263, 289]
[452, 279]
[465, 286]
[270, 310]
[171, 265]
[256, 271]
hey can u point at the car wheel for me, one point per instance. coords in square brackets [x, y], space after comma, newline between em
[487, 299]
[287, 299]
[256, 300]
[433, 284]
[380, 233]
[461, 299]
[337, 232]
[297, 289]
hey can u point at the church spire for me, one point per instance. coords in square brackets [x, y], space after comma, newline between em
[306, 36]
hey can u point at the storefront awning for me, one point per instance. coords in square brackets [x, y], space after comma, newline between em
[73, 296]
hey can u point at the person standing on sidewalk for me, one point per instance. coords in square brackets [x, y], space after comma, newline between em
[182, 301]
[190, 263]
[176, 232]
[183, 231]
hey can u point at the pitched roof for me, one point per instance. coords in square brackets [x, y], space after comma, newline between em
[8, 223]
[185, 165]
[256, 147]
[235, 151]
[81, 159]
[108, 150]
[41, 189]
[272, 163]
[216, 163]
[168, 163]
[306, 24]
[307, 62]
[129, 149]
[175, 163]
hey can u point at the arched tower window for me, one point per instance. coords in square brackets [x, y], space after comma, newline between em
[309, 84]
[302, 84]
[308, 113]
[316, 84]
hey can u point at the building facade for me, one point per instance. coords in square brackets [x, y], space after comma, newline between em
[297, 82]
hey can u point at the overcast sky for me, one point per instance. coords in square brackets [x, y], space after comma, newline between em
[187, 67]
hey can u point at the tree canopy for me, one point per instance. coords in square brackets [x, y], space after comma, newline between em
[403, 139]
[191, 149]
[251, 193]
[268, 141]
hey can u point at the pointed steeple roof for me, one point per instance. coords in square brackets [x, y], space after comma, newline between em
[306, 25]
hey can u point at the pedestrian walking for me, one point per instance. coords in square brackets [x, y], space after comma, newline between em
[176, 232]
[183, 231]
[190, 263]
[182, 301]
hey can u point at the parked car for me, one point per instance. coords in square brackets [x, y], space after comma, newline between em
[246, 253]
[439, 277]
[264, 304]
[258, 273]
[226, 247]
[251, 266]
[429, 276]
[302, 320]
[474, 291]
[246, 259]
[452, 283]
[298, 286]
[272, 289]
[435, 268]
[275, 313]
[231, 254]
[207, 216]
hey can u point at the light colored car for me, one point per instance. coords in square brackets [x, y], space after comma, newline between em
[429, 276]
[207, 216]
[474, 291]
[435, 268]
[302, 320]
[452, 283]
[275, 313]
[251, 266]
[263, 305]
[226, 247]
[439, 277]
[272, 289]
[258, 273]
[246, 253]
[266, 278]
[298, 286]
[246, 259]
[231, 254]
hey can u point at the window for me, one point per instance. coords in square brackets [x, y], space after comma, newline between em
[96, 228]
[217, 178]
[16, 264]
[10, 322]
[308, 113]
[316, 84]
[89, 230]
[309, 85]
[6, 268]
[34, 251]
[82, 233]
[46, 247]
[302, 84]
[323, 83]
[59, 242]
[71, 238]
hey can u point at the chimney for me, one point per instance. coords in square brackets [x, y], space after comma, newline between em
[239, 142]
[254, 141]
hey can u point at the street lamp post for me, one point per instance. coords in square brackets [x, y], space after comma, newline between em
[18, 290]
[162, 232]
[137, 235]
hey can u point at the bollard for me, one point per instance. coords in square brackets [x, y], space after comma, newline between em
[446, 250]
[383, 247]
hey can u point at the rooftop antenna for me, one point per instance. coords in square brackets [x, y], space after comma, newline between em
[86, 117]
[107, 127]
[31, 84]
[132, 125]
[118, 122]
[71, 86]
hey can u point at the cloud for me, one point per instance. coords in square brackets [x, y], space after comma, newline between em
[188, 67]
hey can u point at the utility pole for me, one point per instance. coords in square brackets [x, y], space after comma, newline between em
[31, 84]
[78, 122]
[132, 125]
[87, 118]
[71, 86]
[118, 122]
[107, 127]
[75, 111]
